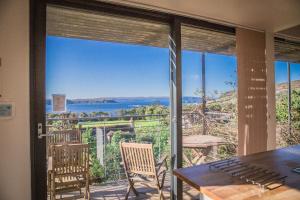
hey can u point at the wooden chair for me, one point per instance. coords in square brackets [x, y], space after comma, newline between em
[140, 167]
[72, 136]
[68, 170]
[65, 137]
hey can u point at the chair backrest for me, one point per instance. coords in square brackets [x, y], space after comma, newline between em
[64, 137]
[138, 158]
[69, 159]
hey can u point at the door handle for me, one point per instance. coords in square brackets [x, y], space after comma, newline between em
[40, 132]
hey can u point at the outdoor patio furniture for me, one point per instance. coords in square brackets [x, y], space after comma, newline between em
[64, 136]
[72, 136]
[201, 146]
[140, 167]
[68, 170]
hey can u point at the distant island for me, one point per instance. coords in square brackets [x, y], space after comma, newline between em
[96, 100]
[115, 100]
[86, 101]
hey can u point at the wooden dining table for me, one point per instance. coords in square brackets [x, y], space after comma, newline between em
[217, 185]
[200, 146]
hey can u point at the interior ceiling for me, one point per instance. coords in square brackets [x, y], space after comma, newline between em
[292, 33]
[270, 15]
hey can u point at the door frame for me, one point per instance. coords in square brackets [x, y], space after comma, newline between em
[37, 79]
[37, 98]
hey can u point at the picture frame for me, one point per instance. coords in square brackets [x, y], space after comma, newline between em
[7, 110]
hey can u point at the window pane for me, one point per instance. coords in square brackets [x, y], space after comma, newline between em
[295, 104]
[281, 80]
[221, 95]
[209, 95]
[191, 92]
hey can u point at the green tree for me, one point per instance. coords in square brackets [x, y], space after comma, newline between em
[288, 138]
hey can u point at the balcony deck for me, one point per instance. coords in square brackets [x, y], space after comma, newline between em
[117, 191]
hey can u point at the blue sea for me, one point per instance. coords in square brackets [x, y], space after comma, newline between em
[113, 108]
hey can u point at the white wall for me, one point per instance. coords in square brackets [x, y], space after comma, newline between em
[14, 85]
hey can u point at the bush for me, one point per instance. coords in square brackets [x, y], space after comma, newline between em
[214, 107]
[96, 170]
[287, 138]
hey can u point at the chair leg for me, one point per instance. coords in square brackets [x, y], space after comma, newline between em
[161, 195]
[160, 192]
[87, 194]
[52, 192]
[160, 187]
[130, 187]
[127, 192]
[134, 190]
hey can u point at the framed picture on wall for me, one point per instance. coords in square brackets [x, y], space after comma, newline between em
[7, 110]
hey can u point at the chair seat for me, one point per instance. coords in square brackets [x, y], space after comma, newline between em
[68, 181]
[65, 190]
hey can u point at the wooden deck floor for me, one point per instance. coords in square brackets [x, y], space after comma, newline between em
[118, 190]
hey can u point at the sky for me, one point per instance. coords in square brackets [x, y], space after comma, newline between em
[90, 69]
[281, 75]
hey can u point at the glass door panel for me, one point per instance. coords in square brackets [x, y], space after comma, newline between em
[295, 104]
[282, 113]
[209, 95]
[107, 81]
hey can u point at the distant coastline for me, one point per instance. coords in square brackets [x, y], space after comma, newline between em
[113, 105]
[81, 101]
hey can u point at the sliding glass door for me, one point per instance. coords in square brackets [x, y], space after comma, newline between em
[104, 74]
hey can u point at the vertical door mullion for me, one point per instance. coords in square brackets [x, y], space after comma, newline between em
[289, 99]
[203, 93]
[176, 106]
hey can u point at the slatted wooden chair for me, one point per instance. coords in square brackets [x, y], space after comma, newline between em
[68, 170]
[140, 167]
[72, 136]
[65, 137]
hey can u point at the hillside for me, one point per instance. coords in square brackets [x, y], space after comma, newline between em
[281, 87]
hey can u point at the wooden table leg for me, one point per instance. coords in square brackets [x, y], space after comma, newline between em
[186, 159]
[197, 154]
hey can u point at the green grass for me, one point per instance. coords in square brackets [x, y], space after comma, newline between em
[137, 123]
